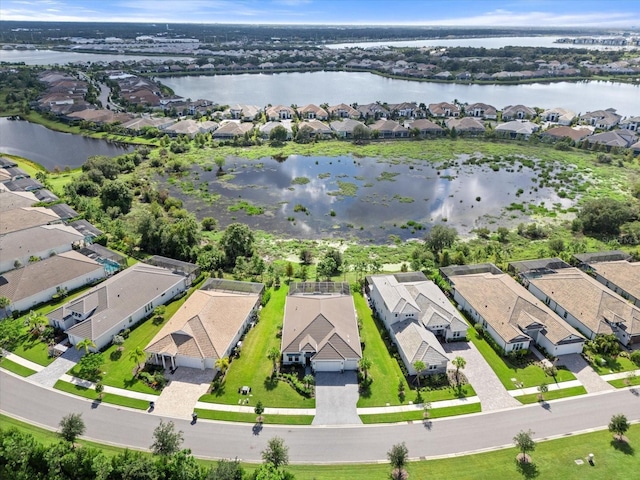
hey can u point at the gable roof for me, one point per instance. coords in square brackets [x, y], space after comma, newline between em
[346, 125]
[26, 217]
[117, 299]
[51, 272]
[326, 322]
[418, 343]
[31, 241]
[12, 200]
[625, 275]
[509, 307]
[520, 128]
[593, 304]
[424, 125]
[466, 124]
[574, 134]
[205, 325]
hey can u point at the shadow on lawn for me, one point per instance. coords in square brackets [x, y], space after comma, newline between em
[622, 445]
[527, 469]
[270, 382]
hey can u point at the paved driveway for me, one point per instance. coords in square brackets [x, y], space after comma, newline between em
[336, 399]
[56, 369]
[490, 391]
[179, 397]
[589, 379]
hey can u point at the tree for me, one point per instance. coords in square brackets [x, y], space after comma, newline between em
[419, 366]
[85, 345]
[361, 134]
[4, 304]
[308, 380]
[90, 366]
[524, 442]
[543, 388]
[237, 241]
[326, 267]
[71, 427]
[116, 194]
[166, 440]
[398, 456]
[136, 355]
[227, 470]
[365, 365]
[222, 364]
[99, 389]
[10, 332]
[36, 323]
[459, 363]
[259, 410]
[618, 426]
[276, 453]
[273, 354]
[606, 215]
[440, 237]
[278, 136]
[306, 256]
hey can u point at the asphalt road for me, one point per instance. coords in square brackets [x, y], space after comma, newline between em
[321, 444]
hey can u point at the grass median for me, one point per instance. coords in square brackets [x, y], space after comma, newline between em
[16, 368]
[106, 397]
[552, 395]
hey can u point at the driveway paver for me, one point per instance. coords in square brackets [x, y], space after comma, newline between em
[185, 387]
[336, 399]
[61, 365]
[591, 381]
[492, 394]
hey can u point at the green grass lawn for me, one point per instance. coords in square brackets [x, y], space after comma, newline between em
[625, 382]
[106, 397]
[613, 365]
[552, 395]
[553, 459]
[16, 368]
[254, 369]
[251, 417]
[418, 415]
[529, 376]
[384, 371]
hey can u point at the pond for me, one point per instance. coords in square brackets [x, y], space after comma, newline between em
[367, 198]
[53, 149]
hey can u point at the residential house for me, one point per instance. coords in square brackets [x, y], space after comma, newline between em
[280, 112]
[190, 127]
[140, 123]
[614, 138]
[17, 248]
[344, 111]
[231, 129]
[425, 127]
[117, 304]
[466, 125]
[318, 129]
[38, 282]
[246, 113]
[373, 110]
[265, 130]
[615, 271]
[100, 116]
[389, 129]
[311, 111]
[320, 328]
[604, 119]
[63, 211]
[517, 112]
[88, 230]
[481, 110]
[444, 110]
[27, 217]
[585, 303]
[510, 314]
[414, 310]
[208, 326]
[631, 123]
[517, 129]
[575, 134]
[344, 128]
[405, 109]
[14, 200]
[558, 115]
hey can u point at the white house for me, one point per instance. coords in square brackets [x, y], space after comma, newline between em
[208, 326]
[38, 282]
[508, 312]
[117, 304]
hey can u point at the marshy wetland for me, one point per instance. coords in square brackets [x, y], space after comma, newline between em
[373, 194]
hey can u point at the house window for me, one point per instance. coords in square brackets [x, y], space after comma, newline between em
[456, 334]
[433, 367]
[565, 314]
[517, 346]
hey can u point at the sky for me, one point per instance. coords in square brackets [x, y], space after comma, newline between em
[473, 13]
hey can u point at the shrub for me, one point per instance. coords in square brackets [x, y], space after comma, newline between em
[635, 357]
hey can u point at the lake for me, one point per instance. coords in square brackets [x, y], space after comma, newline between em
[362, 87]
[486, 42]
[50, 148]
[366, 198]
[52, 57]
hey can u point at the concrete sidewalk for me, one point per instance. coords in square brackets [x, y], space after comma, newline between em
[552, 387]
[621, 375]
[22, 361]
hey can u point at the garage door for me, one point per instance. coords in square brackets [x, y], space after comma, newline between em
[327, 366]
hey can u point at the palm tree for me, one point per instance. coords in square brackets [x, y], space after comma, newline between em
[273, 354]
[85, 345]
[542, 389]
[137, 355]
[365, 365]
[4, 303]
[459, 363]
[419, 365]
[222, 364]
[36, 322]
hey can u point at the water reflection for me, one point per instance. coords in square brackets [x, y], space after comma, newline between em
[365, 197]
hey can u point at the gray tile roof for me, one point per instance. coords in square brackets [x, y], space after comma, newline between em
[117, 299]
[327, 322]
[26, 217]
[418, 343]
[31, 241]
[12, 200]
